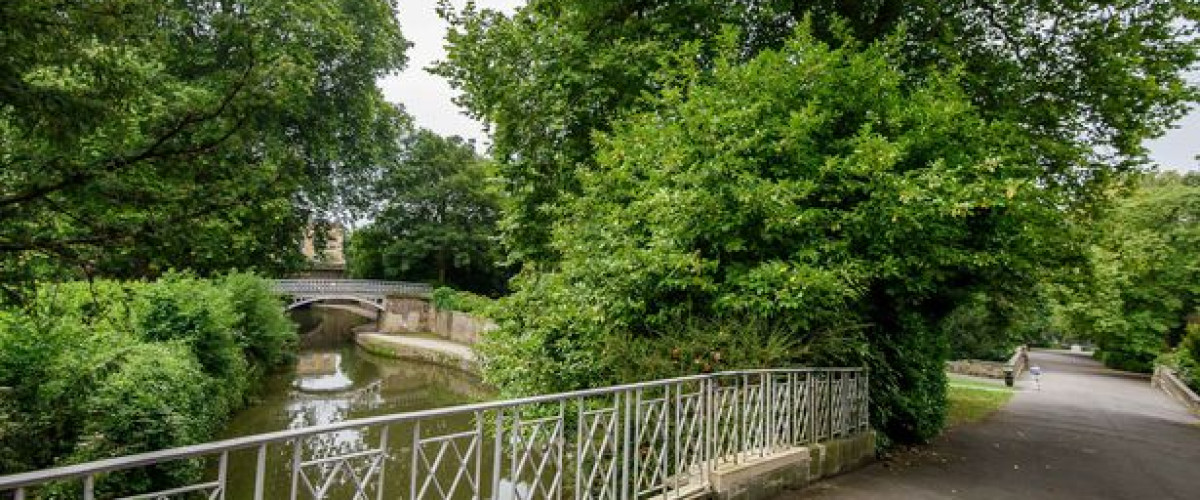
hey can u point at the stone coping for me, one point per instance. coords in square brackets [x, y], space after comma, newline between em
[420, 348]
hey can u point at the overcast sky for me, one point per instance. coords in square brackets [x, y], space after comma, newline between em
[428, 97]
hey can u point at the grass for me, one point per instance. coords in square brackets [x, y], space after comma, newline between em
[972, 401]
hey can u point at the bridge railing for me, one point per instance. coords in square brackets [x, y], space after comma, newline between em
[635, 441]
[316, 286]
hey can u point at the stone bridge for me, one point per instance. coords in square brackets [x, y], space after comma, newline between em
[373, 293]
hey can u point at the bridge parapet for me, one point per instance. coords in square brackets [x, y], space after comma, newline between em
[373, 292]
[319, 286]
[680, 438]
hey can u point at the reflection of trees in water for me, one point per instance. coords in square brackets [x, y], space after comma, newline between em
[326, 327]
[345, 382]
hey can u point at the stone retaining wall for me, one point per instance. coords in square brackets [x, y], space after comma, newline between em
[459, 326]
[976, 368]
[410, 315]
[375, 345]
[790, 469]
[1166, 379]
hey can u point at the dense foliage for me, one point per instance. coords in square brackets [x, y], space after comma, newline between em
[139, 136]
[809, 197]
[1141, 284]
[1088, 80]
[887, 205]
[991, 326]
[437, 219]
[107, 368]
[449, 299]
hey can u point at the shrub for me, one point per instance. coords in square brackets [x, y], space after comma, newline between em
[199, 315]
[263, 330]
[93, 370]
[157, 398]
[449, 299]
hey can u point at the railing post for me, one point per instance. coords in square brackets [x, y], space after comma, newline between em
[383, 458]
[416, 450]
[296, 444]
[497, 453]
[222, 472]
[89, 488]
[710, 424]
[625, 445]
[260, 472]
[579, 425]
[866, 403]
[561, 443]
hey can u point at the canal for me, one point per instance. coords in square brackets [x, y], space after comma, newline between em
[334, 380]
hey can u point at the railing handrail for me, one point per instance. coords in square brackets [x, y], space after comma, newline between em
[83, 470]
[321, 286]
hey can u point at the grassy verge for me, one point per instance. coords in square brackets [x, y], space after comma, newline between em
[971, 402]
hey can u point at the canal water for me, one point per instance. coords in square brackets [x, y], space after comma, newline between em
[334, 380]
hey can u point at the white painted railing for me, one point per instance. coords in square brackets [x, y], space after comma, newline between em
[635, 441]
[311, 287]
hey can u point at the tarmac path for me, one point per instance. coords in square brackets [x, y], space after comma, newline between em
[1089, 432]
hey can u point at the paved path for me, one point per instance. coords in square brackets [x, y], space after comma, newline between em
[1088, 433]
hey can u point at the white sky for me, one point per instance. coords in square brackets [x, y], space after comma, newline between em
[428, 97]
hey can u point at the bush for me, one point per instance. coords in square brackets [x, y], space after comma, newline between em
[199, 315]
[158, 398]
[1130, 361]
[261, 327]
[1185, 360]
[93, 370]
[449, 299]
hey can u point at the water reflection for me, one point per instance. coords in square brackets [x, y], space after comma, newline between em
[333, 381]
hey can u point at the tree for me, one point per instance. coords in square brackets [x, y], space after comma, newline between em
[142, 135]
[811, 190]
[1142, 281]
[438, 219]
[1088, 80]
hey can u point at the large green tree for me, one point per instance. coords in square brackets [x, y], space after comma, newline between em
[437, 221]
[813, 191]
[140, 135]
[1076, 86]
[1089, 80]
[1142, 280]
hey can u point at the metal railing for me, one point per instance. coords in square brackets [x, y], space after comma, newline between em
[652, 439]
[350, 287]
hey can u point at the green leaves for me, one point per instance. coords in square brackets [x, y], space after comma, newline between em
[140, 136]
[817, 193]
[107, 368]
[437, 221]
[1080, 85]
[1143, 273]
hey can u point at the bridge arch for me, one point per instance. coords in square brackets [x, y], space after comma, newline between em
[374, 302]
[373, 293]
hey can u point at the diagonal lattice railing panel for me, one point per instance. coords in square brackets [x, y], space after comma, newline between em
[660, 439]
[726, 424]
[690, 419]
[446, 467]
[352, 474]
[597, 453]
[537, 457]
[754, 413]
[780, 408]
[651, 463]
